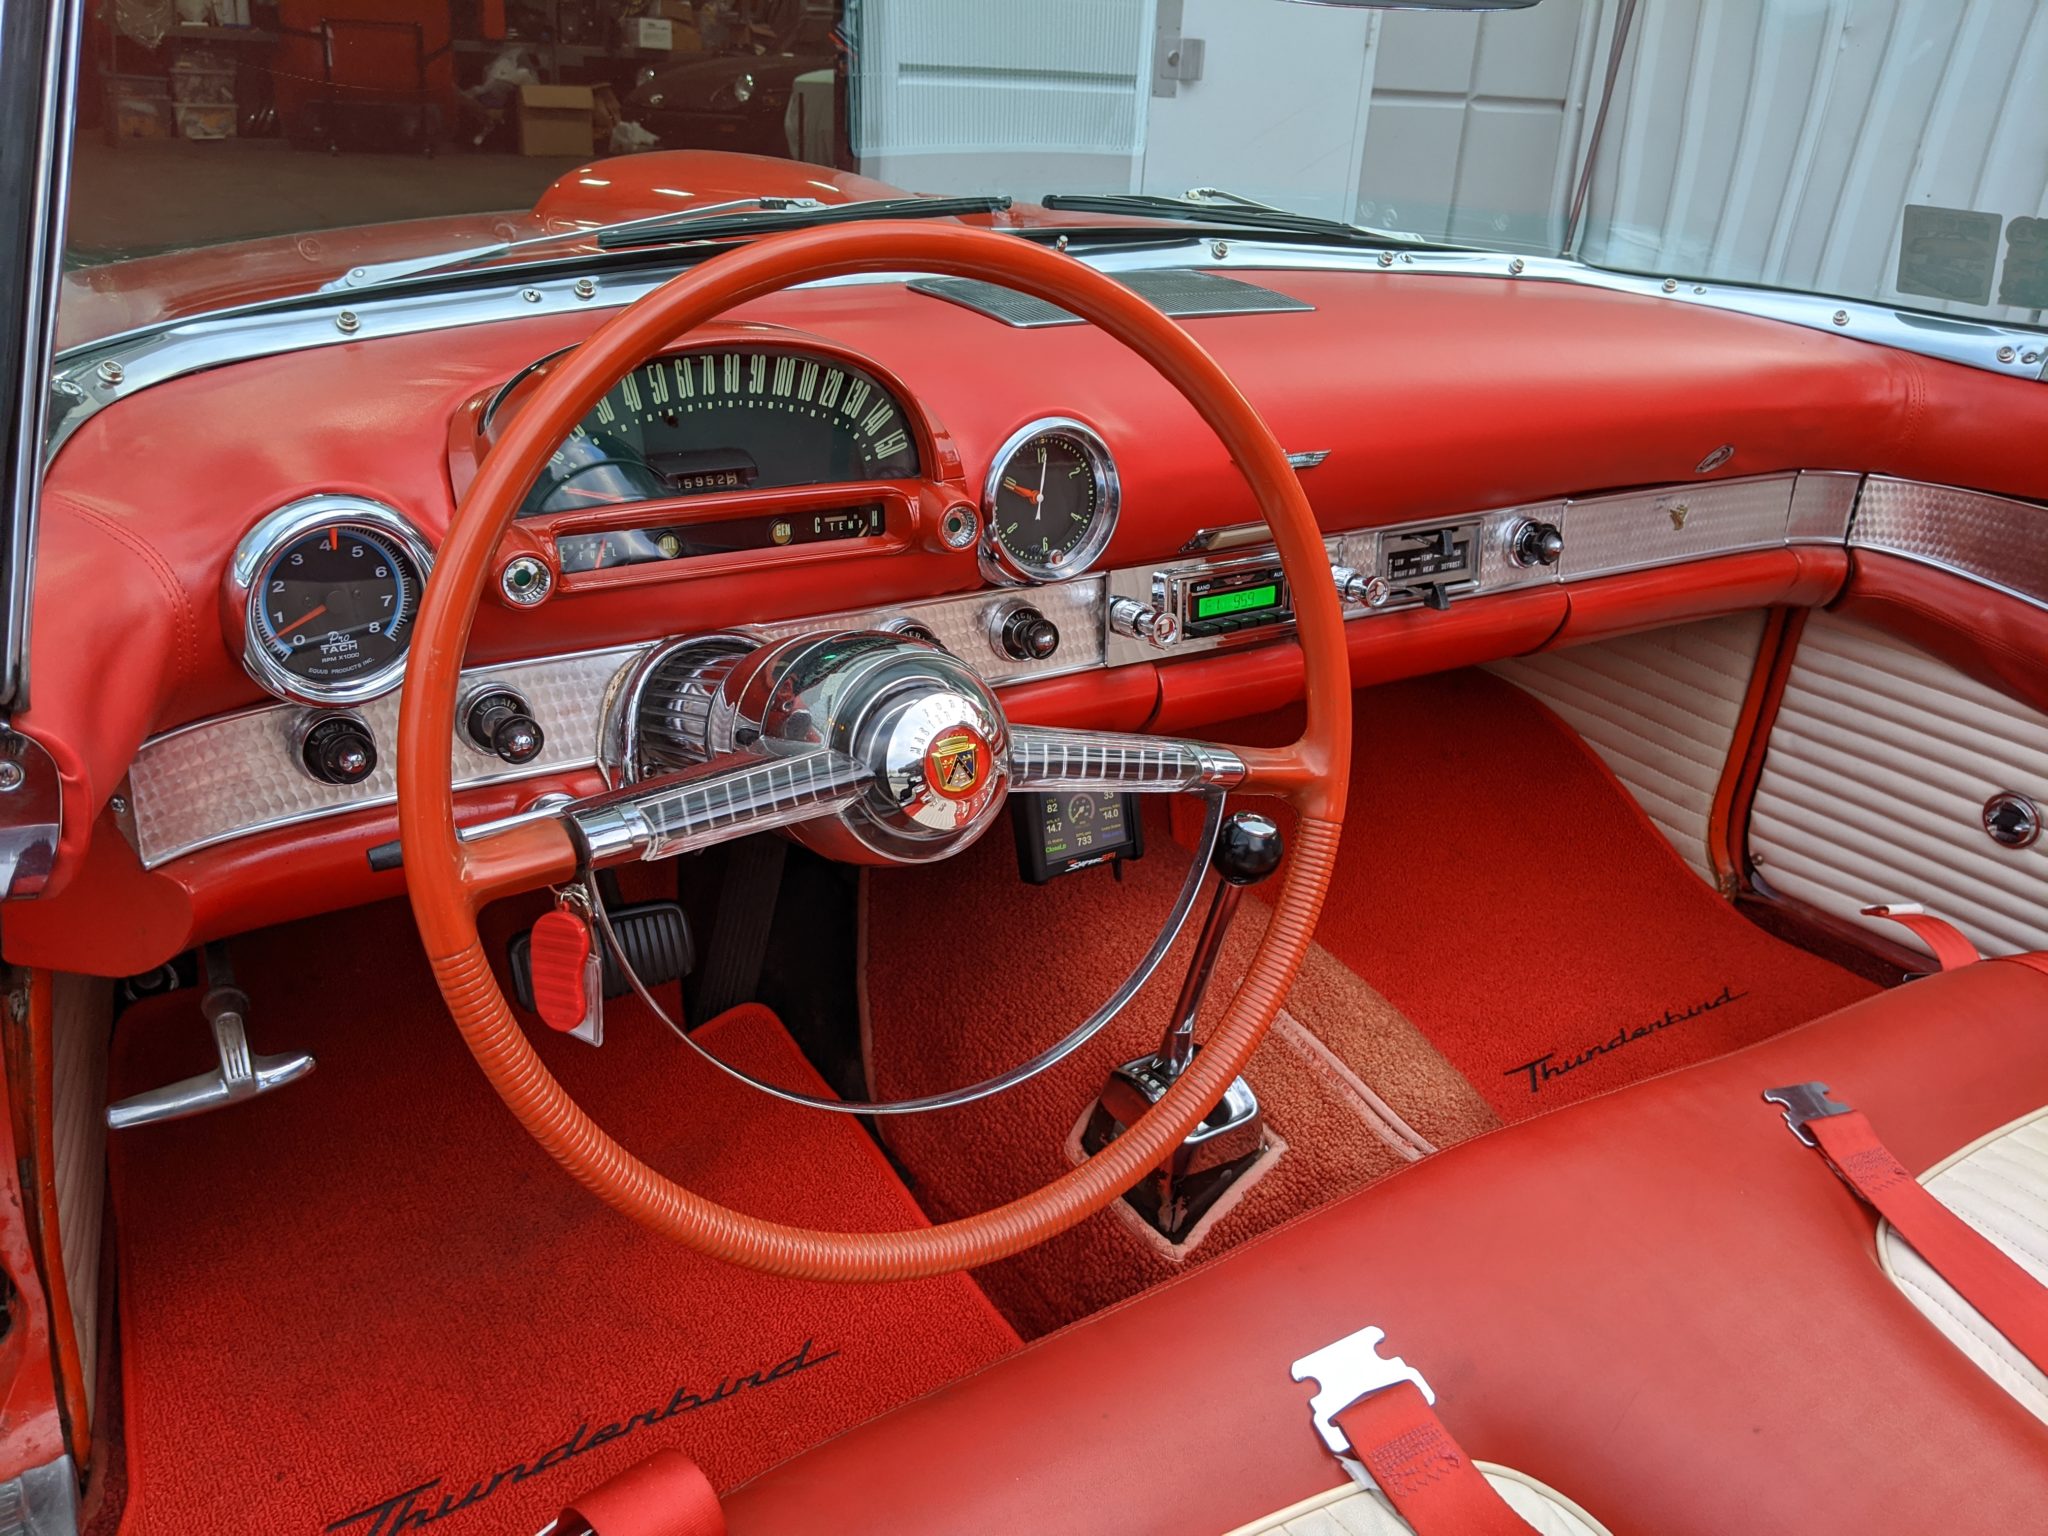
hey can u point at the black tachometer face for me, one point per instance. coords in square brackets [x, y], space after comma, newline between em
[702, 422]
[336, 604]
[1051, 500]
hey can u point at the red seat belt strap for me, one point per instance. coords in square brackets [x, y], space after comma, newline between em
[1951, 948]
[1424, 1473]
[1377, 1412]
[2010, 1299]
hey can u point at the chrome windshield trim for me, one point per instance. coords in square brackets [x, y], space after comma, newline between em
[49, 205]
[155, 355]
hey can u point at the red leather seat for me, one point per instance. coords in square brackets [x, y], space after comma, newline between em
[1659, 1303]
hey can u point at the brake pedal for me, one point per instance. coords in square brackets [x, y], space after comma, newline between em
[241, 1074]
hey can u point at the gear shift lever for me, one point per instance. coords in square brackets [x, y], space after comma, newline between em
[1228, 1140]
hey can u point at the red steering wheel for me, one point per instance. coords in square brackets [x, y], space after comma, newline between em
[451, 880]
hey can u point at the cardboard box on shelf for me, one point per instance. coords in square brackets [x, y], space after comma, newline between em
[555, 120]
[653, 34]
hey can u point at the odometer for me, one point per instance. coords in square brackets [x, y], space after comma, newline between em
[1051, 501]
[333, 584]
[695, 423]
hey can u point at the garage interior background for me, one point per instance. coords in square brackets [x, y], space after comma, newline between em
[352, 111]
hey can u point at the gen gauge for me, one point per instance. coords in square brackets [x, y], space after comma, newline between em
[1051, 503]
[329, 586]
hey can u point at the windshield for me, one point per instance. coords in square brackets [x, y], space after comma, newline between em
[1888, 150]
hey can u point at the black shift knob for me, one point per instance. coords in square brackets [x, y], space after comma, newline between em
[1249, 848]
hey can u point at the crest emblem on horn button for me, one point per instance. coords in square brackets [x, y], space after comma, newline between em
[956, 762]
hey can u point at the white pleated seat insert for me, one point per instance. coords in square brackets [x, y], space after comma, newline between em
[1351, 1511]
[1999, 1185]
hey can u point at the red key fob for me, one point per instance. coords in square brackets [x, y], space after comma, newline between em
[557, 958]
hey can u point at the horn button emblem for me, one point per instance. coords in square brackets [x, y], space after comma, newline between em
[939, 764]
[956, 763]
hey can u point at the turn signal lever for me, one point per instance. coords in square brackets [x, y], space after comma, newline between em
[1228, 1140]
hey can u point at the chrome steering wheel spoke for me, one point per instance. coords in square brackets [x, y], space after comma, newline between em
[1055, 757]
[713, 802]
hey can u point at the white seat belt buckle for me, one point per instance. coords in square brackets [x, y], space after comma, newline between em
[1348, 1370]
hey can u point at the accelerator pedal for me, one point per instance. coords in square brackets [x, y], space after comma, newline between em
[241, 1074]
[655, 934]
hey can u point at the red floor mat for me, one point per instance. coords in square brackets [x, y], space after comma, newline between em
[371, 1295]
[1500, 888]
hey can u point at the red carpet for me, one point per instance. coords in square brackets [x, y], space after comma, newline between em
[1042, 958]
[370, 1295]
[1502, 890]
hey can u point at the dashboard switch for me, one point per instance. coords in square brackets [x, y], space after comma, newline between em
[1025, 634]
[499, 723]
[1157, 627]
[1533, 543]
[338, 749]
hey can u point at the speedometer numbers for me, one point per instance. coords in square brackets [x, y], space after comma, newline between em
[693, 423]
[331, 587]
[1051, 502]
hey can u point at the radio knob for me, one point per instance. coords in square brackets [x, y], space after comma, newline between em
[1533, 543]
[1157, 627]
[339, 749]
[1025, 634]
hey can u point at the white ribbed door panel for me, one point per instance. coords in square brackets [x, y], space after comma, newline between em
[1873, 791]
[1659, 709]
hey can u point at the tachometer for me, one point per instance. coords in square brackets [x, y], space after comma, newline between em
[331, 587]
[1051, 501]
[692, 423]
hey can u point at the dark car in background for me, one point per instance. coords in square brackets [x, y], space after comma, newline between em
[742, 99]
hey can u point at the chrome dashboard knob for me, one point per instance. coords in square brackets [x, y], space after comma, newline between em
[1157, 627]
[1022, 633]
[1531, 543]
[338, 749]
[499, 723]
[1355, 588]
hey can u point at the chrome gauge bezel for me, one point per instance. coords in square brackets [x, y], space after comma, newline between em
[1000, 564]
[267, 541]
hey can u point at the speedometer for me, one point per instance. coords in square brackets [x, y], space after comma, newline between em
[331, 585]
[1051, 501]
[695, 423]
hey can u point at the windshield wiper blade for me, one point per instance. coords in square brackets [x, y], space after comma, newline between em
[767, 219]
[1208, 204]
[375, 273]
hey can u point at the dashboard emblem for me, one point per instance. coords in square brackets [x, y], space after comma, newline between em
[956, 763]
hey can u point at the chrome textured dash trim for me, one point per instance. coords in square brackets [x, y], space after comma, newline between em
[1823, 501]
[235, 774]
[961, 625]
[1605, 535]
[1993, 539]
[218, 779]
[155, 354]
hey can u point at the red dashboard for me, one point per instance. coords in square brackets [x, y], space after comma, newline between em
[1425, 397]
